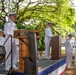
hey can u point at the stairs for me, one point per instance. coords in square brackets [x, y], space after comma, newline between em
[2, 69]
[2, 64]
[2, 58]
[3, 72]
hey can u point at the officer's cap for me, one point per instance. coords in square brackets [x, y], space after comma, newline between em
[12, 13]
[50, 23]
[70, 35]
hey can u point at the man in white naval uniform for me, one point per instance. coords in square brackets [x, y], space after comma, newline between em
[75, 51]
[9, 28]
[47, 40]
[69, 44]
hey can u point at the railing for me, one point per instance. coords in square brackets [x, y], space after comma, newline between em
[9, 36]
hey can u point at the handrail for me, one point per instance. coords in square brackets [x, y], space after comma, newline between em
[9, 52]
[6, 40]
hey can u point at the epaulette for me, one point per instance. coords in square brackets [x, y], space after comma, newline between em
[8, 22]
[67, 39]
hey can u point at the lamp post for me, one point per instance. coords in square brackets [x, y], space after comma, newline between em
[8, 6]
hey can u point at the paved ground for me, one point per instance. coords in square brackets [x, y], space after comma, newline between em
[71, 71]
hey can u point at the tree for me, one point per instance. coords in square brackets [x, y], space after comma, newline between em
[38, 12]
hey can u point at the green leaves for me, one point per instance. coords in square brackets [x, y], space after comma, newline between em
[39, 12]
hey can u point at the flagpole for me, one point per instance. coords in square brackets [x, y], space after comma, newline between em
[8, 8]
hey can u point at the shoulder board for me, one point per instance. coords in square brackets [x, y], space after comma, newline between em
[67, 39]
[7, 22]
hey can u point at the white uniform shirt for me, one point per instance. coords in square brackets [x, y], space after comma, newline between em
[9, 28]
[48, 34]
[75, 43]
[69, 45]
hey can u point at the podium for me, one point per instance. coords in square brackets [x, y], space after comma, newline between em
[56, 47]
[24, 50]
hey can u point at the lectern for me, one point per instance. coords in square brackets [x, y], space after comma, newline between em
[24, 45]
[56, 47]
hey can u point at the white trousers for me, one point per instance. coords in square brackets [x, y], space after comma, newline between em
[14, 52]
[47, 49]
[68, 59]
[75, 56]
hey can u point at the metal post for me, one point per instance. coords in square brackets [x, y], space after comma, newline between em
[8, 8]
[11, 54]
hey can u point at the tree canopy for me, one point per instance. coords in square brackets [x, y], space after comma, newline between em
[38, 12]
[34, 14]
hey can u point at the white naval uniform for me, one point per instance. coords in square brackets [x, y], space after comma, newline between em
[75, 51]
[69, 47]
[47, 40]
[9, 28]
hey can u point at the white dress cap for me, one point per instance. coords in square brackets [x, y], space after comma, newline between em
[12, 13]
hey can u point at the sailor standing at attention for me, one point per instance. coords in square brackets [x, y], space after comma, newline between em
[69, 44]
[9, 28]
[47, 40]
